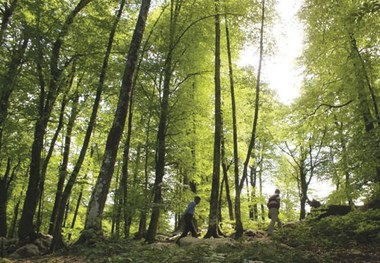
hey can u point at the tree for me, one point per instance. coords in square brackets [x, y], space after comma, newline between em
[339, 56]
[98, 198]
[251, 147]
[213, 226]
[47, 100]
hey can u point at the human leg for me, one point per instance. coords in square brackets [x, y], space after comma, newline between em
[186, 229]
[273, 212]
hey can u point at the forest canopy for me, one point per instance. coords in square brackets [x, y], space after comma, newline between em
[115, 114]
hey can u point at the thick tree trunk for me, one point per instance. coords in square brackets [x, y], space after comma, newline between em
[95, 208]
[213, 226]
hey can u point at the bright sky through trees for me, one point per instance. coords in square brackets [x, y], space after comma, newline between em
[280, 70]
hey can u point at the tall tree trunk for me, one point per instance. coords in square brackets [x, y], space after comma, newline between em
[62, 173]
[233, 112]
[364, 106]
[57, 237]
[125, 172]
[50, 153]
[143, 213]
[26, 229]
[116, 215]
[239, 187]
[95, 208]
[213, 226]
[162, 125]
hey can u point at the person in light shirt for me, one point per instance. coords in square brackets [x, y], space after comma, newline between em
[188, 216]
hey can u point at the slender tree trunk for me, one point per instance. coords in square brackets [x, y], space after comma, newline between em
[115, 216]
[26, 229]
[162, 126]
[225, 168]
[213, 226]
[143, 213]
[303, 184]
[67, 210]
[234, 121]
[79, 200]
[239, 225]
[263, 213]
[95, 208]
[62, 174]
[125, 172]
[57, 237]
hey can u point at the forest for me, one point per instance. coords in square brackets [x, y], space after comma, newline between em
[114, 114]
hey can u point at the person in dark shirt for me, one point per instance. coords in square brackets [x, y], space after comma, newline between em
[274, 207]
[188, 216]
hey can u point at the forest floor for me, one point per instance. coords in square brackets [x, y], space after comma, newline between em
[253, 250]
[353, 238]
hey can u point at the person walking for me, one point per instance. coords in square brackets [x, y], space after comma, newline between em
[274, 207]
[189, 215]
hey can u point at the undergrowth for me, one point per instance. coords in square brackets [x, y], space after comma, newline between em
[351, 238]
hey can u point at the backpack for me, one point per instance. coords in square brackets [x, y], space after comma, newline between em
[273, 202]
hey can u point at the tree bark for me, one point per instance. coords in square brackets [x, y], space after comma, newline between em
[234, 121]
[95, 208]
[213, 226]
